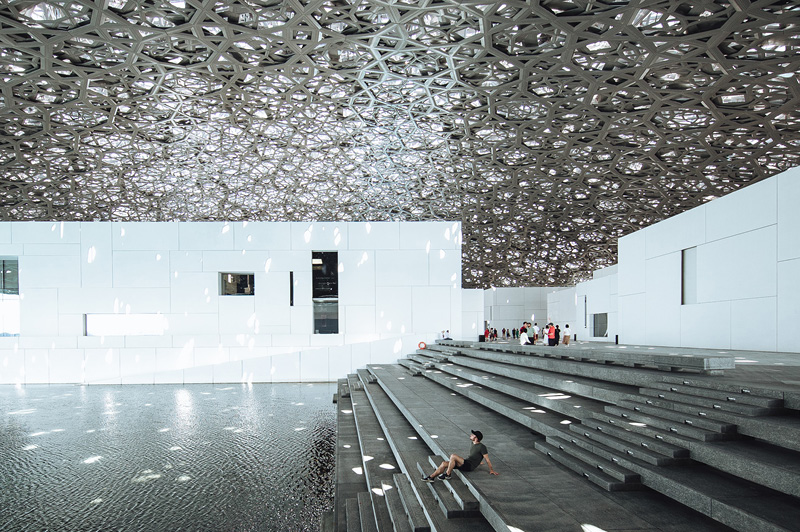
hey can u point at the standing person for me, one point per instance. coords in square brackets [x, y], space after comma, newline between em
[551, 334]
[477, 454]
[566, 334]
[558, 335]
[486, 336]
[504, 333]
[535, 332]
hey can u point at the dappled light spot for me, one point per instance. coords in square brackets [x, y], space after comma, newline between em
[358, 471]
[387, 466]
[92, 459]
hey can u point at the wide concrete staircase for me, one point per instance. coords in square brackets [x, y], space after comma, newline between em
[581, 439]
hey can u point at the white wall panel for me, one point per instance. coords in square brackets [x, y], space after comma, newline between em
[207, 356]
[66, 365]
[169, 377]
[754, 324]
[289, 261]
[37, 370]
[631, 251]
[141, 269]
[49, 272]
[286, 368]
[340, 362]
[430, 235]
[198, 375]
[102, 365]
[192, 324]
[243, 261]
[237, 315]
[471, 326]
[196, 293]
[70, 325]
[742, 267]
[45, 232]
[151, 341]
[52, 250]
[663, 299]
[394, 314]
[143, 236]
[253, 370]
[314, 365]
[788, 308]
[205, 235]
[633, 320]
[515, 296]
[752, 207]
[456, 307]
[11, 250]
[5, 235]
[357, 278]
[683, 231]
[431, 310]
[361, 355]
[96, 254]
[185, 261]
[358, 319]
[262, 235]
[374, 235]
[39, 312]
[319, 236]
[302, 289]
[788, 214]
[445, 267]
[12, 367]
[302, 320]
[232, 372]
[401, 268]
[706, 325]
[137, 366]
[103, 301]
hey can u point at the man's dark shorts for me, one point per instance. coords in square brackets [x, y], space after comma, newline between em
[466, 466]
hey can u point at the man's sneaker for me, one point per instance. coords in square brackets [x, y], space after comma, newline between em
[428, 479]
[444, 476]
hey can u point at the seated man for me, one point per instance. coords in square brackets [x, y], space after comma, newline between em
[477, 454]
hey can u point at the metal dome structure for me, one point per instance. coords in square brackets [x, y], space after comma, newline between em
[548, 127]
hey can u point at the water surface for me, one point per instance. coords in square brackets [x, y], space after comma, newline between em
[168, 457]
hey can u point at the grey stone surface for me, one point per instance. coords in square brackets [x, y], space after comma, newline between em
[367, 515]
[416, 516]
[353, 521]
[668, 425]
[347, 456]
[528, 481]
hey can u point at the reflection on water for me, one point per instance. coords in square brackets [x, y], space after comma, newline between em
[153, 458]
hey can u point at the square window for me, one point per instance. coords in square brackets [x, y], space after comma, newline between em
[237, 284]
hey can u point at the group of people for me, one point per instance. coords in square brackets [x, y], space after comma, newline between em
[552, 334]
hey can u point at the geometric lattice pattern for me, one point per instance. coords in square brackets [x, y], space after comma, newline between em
[549, 127]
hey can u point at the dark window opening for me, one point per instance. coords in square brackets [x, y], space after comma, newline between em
[600, 325]
[237, 284]
[9, 276]
[325, 291]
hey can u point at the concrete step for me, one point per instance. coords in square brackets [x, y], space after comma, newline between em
[367, 515]
[646, 439]
[632, 416]
[348, 458]
[447, 502]
[466, 500]
[397, 511]
[378, 470]
[746, 398]
[594, 475]
[413, 509]
[414, 368]
[573, 446]
[599, 390]
[635, 450]
[700, 422]
[703, 406]
[353, 516]
[409, 449]
[550, 399]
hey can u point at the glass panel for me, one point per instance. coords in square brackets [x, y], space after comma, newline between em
[600, 325]
[326, 317]
[9, 276]
[237, 284]
[325, 274]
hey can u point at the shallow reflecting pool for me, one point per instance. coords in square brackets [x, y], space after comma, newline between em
[166, 458]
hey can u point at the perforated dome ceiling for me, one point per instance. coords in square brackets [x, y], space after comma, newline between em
[549, 128]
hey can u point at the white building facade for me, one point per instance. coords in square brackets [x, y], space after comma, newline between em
[179, 302]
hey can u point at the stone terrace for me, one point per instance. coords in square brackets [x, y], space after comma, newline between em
[587, 437]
